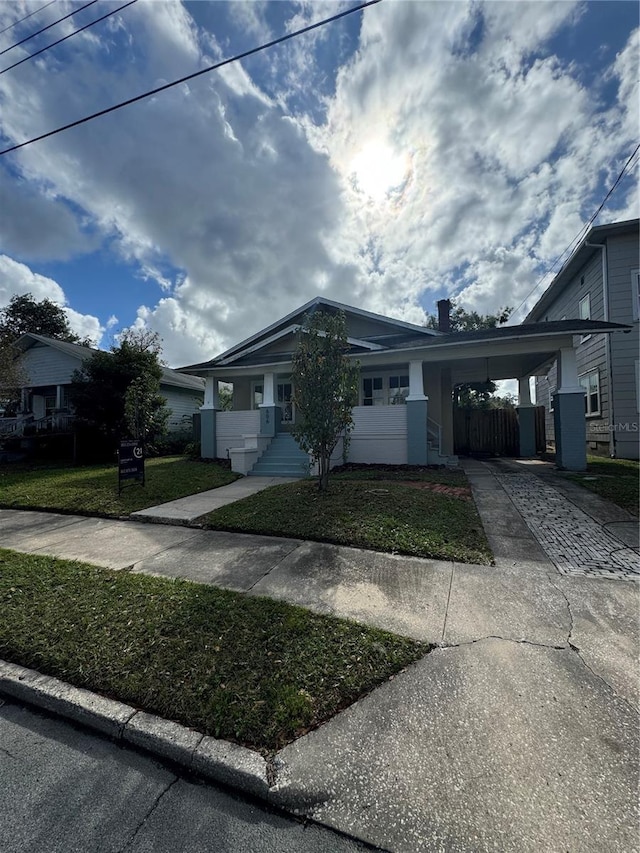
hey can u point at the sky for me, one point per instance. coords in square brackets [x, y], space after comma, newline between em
[412, 151]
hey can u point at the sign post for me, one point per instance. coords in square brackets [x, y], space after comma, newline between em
[130, 462]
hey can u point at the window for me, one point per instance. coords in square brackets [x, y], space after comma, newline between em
[372, 391]
[584, 312]
[591, 383]
[635, 293]
[552, 391]
[398, 389]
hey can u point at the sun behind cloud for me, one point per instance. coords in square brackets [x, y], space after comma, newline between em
[377, 170]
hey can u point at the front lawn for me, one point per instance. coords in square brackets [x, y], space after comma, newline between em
[428, 513]
[614, 479]
[93, 490]
[252, 670]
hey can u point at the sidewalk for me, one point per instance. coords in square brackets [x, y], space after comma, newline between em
[519, 732]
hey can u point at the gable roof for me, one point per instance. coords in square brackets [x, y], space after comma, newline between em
[578, 259]
[169, 376]
[398, 330]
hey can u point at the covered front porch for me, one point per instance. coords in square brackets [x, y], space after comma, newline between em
[404, 413]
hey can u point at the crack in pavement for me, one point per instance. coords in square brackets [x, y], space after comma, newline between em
[446, 610]
[576, 649]
[275, 566]
[520, 642]
[150, 811]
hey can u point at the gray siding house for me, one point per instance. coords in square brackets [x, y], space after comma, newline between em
[600, 282]
[404, 414]
[49, 365]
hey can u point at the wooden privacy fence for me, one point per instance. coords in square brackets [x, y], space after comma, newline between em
[493, 431]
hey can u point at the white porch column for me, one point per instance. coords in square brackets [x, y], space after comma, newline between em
[416, 381]
[568, 372]
[211, 393]
[58, 396]
[268, 390]
[524, 393]
[269, 412]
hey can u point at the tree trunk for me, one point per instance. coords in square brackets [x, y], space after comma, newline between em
[323, 473]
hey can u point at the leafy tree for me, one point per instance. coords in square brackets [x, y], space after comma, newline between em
[461, 320]
[325, 385]
[23, 314]
[117, 393]
[12, 378]
[473, 395]
[225, 398]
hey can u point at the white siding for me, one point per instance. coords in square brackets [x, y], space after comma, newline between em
[379, 435]
[183, 404]
[231, 426]
[45, 365]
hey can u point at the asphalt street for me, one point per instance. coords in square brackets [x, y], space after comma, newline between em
[64, 790]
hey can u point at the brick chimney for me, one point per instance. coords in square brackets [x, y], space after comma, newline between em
[444, 307]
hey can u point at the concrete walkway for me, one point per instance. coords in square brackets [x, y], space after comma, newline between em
[518, 732]
[187, 510]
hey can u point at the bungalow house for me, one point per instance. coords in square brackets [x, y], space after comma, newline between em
[49, 365]
[600, 281]
[404, 413]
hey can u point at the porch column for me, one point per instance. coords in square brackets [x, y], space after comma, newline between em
[208, 419]
[269, 414]
[526, 419]
[568, 414]
[417, 404]
[446, 412]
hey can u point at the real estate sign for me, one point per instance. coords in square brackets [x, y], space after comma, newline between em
[130, 461]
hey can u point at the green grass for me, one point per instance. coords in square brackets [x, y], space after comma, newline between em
[384, 515]
[252, 670]
[617, 480]
[93, 490]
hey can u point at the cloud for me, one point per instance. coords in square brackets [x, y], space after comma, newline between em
[457, 153]
[17, 279]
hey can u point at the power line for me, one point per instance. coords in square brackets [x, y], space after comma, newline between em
[580, 235]
[48, 27]
[35, 12]
[64, 38]
[188, 77]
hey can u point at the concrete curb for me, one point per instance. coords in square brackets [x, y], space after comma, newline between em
[217, 760]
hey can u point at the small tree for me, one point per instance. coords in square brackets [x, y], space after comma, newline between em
[325, 386]
[104, 400]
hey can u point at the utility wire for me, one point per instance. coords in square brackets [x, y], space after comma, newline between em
[202, 71]
[48, 27]
[581, 233]
[35, 12]
[64, 38]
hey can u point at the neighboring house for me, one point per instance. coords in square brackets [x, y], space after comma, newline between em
[49, 365]
[405, 411]
[600, 281]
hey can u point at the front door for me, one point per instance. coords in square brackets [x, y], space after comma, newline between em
[285, 392]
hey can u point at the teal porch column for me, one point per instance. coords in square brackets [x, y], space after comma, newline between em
[526, 420]
[417, 432]
[269, 420]
[208, 419]
[569, 416]
[208, 433]
[417, 402]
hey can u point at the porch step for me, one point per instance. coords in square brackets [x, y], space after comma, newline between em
[282, 458]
